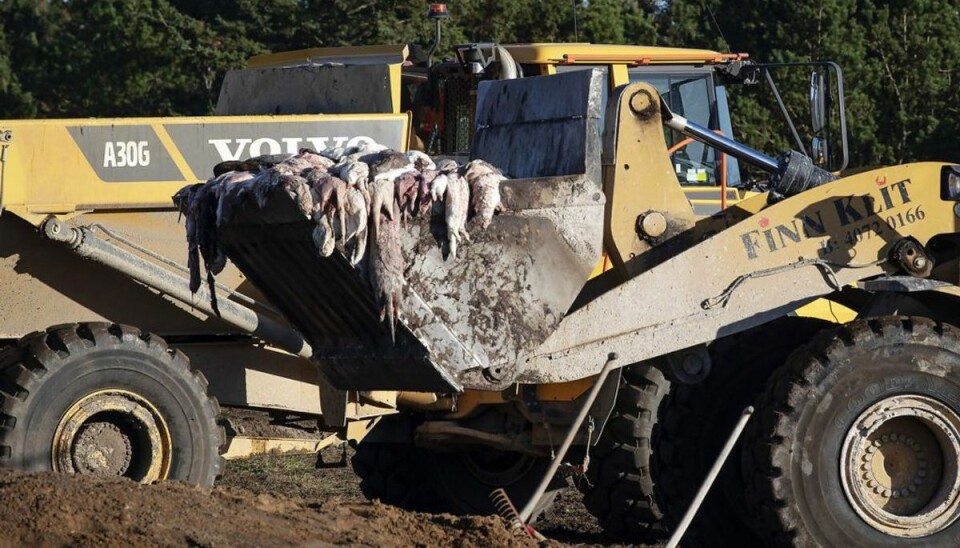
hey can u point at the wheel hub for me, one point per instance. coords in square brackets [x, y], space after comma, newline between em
[101, 449]
[113, 433]
[497, 468]
[899, 466]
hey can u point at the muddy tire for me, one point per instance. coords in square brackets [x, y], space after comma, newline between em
[620, 481]
[422, 480]
[697, 419]
[106, 400]
[856, 439]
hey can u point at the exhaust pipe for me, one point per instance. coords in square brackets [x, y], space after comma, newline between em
[437, 12]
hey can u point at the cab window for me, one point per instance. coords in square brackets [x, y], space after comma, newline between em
[693, 96]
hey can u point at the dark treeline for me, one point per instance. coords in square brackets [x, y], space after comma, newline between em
[79, 58]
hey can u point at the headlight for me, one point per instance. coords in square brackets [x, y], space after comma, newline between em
[950, 183]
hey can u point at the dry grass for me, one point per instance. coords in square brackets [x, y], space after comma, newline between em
[294, 476]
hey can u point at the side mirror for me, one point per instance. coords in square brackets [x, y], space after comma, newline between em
[818, 101]
[828, 117]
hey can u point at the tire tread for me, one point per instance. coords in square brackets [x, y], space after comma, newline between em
[779, 407]
[24, 366]
[619, 488]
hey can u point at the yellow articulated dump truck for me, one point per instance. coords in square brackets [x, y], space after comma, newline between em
[522, 361]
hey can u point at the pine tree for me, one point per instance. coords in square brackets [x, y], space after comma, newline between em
[14, 101]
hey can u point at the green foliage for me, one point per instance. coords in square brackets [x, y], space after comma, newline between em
[900, 61]
[117, 58]
[913, 65]
[167, 57]
[618, 22]
[15, 101]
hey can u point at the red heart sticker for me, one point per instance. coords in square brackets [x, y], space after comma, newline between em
[764, 222]
[881, 180]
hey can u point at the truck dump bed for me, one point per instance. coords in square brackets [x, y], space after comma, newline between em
[464, 322]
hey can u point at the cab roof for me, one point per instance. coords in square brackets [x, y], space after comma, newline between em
[584, 53]
[535, 53]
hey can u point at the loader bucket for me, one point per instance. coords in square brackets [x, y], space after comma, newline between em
[464, 322]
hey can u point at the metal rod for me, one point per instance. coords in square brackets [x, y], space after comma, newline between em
[436, 44]
[724, 144]
[568, 440]
[784, 111]
[711, 477]
[840, 96]
[843, 115]
[3, 172]
[576, 30]
[173, 264]
[86, 244]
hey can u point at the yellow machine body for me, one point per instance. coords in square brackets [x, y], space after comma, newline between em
[500, 350]
[118, 177]
[65, 167]
[121, 173]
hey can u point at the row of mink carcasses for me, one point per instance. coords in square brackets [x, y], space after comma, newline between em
[358, 198]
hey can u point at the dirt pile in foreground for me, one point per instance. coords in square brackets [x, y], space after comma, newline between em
[54, 510]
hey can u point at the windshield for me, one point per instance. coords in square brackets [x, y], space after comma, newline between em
[689, 92]
[693, 96]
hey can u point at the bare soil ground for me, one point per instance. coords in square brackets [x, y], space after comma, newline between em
[52, 510]
[569, 522]
[269, 500]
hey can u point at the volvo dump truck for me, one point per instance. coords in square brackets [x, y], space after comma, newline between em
[854, 440]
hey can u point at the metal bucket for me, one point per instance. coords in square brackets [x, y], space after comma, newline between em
[469, 321]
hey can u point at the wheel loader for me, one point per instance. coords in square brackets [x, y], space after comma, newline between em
[854, 441]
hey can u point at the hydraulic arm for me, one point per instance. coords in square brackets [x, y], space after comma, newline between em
[750, 263]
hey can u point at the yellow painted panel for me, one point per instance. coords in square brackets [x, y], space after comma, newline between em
[564, 391]
[825, 309]
[618, 76]
[62, 166]
[609, 53]
[395, 81]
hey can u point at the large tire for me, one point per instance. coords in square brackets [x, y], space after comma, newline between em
[425, 480]
[697, 420]
[620, 480]
[859, 430]
[107, 400]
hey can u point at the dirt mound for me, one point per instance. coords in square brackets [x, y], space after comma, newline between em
[54, 510]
